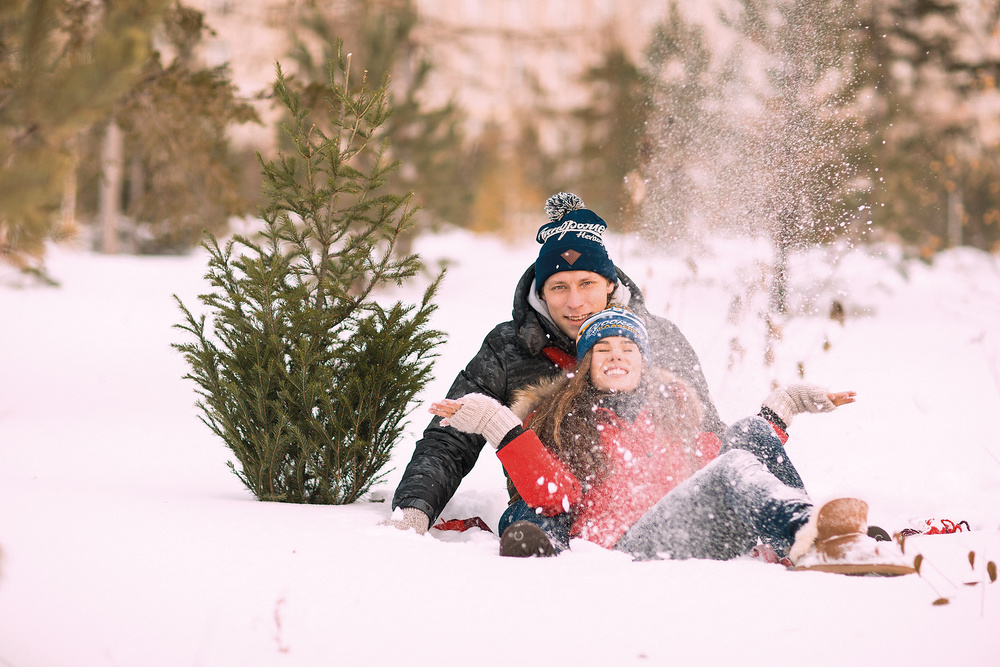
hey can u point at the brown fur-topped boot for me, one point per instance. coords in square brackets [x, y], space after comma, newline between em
[835, 539]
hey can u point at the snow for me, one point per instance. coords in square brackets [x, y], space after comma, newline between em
[127, 541]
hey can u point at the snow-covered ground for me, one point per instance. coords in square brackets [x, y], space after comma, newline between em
[127, 541]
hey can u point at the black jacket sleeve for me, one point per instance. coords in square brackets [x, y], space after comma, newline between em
[444, 456]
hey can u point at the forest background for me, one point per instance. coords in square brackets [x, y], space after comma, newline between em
[124, 124]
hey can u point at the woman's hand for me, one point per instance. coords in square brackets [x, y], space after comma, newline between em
[479, 414]
[841, 398]
[445, 408]
[786, 402]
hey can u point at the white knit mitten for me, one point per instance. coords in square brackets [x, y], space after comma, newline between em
[405, 518]
[483, 415]
[786, 402]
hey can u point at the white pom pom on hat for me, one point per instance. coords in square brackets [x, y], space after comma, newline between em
[562, 203]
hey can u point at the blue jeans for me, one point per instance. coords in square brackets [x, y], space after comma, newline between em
[720, 512]
[755, 435]
[556, 527]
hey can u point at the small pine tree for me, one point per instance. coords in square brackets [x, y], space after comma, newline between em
[798, 152]
[302, 373]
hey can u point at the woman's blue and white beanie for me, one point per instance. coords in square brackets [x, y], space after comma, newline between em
[572, 240]
[614, 321]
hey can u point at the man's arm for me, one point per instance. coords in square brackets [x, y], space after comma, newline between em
[671, 350]
[444, 455]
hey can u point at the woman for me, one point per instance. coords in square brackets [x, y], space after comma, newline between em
[616, 455]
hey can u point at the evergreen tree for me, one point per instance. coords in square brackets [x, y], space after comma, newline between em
[797, 149]
[612, 131]
[871, 112]
[181, 177]
[302, 372]
[931, 67]
[428, 140]
[175, 122]
[63, 65]
[684, 133]
[762, 138]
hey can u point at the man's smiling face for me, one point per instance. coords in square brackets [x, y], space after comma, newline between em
[573, 296]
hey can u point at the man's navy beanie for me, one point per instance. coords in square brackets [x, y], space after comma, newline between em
[572, 240]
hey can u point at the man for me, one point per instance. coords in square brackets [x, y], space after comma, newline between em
[572, 279]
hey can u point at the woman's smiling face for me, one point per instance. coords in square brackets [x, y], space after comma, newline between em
[615, 364]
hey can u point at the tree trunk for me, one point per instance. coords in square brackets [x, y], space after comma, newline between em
[956, 209]
[110, 195]
[67, 209]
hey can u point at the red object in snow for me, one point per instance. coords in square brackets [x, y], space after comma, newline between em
[937, 527]
[462, 525]
[766, 553]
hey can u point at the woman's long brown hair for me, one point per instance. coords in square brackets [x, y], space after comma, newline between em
[566, 422]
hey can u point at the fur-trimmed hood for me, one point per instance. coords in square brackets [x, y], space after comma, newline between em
[528, 399]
